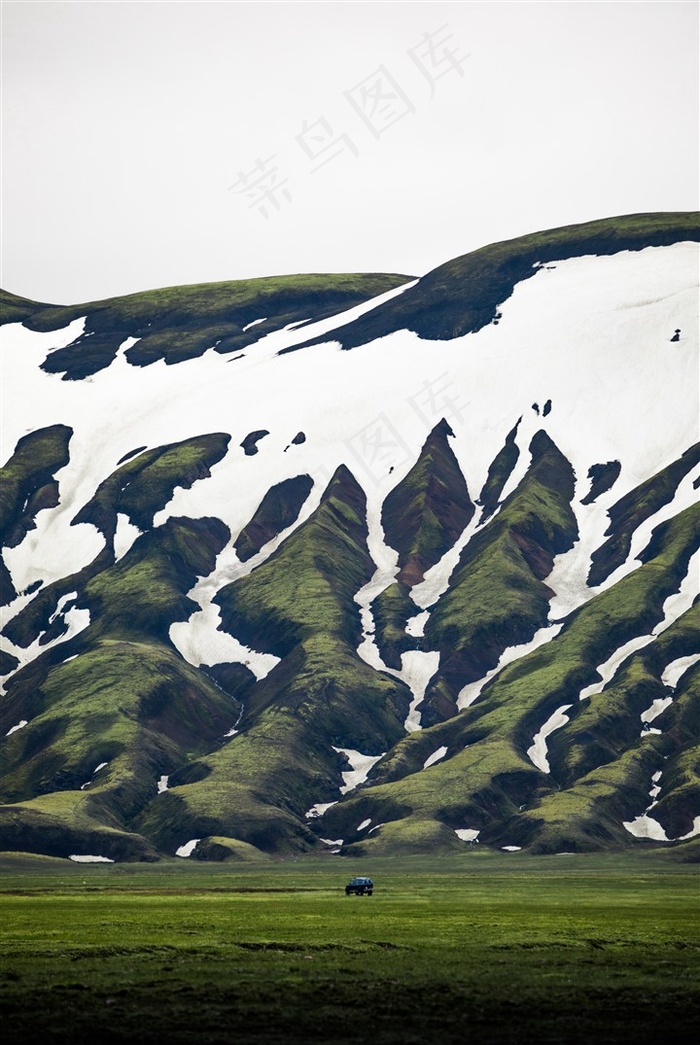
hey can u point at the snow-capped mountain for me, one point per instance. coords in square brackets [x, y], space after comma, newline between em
[367, 563]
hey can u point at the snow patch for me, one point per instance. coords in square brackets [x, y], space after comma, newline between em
[568, 578]
[364, 824]
[201, 640]
[233, 731]
[162, 784]
[361, 767]
[124, 348]
[673, 672]
[472, 691]
[436, 580]
[683, 498]
[639, 296]
[386, 561]
[91, 859]
[20, 725]
[646, 827]
[467, 834]
[674, 606]
[695, 830]
[530, 423]
[511, 848]
[538, 752]
[415, 626]
[188, 848]
[125, 535]
[54, 548]
[318, 810]
[417, 667]
[435, 757]
[656, 708]
[609, 669]
[94, 772]
[76, 620]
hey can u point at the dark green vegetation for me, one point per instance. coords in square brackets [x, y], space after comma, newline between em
[278, 509]
[629, 512]
[498, 474]
[127, 699]
[497, 596]
[298, 605]
[15, 309]
[392, 609]
[485, 947]
[603, 477]
[486, 781]
[179, 323]
[138, 489]
[119, 693]
[145, 484]
[463, 295]
[425, 514]
[93, 730]
[27, 485]
[422, 518]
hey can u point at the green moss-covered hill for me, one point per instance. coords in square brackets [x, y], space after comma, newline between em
[179, 323]
[115, 709]
[463, 295]
[311, 705]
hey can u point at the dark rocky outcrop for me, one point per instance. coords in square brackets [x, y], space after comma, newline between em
[631, 510]
[278, 509]
[499, 472]
[250, 443]
[464, 295]
[497, 595]
[427, 511]
[603, 477]
[180, 323]
[27, 486]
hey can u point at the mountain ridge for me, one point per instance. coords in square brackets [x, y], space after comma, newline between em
[329, 643]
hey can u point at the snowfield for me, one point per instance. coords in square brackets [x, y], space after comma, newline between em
[549, 344]
[590, 337]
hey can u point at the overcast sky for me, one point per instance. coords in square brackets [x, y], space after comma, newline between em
[155, 143]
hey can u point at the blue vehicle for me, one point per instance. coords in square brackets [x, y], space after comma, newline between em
[359, 887]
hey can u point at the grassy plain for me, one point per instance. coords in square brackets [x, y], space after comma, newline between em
[480, 947]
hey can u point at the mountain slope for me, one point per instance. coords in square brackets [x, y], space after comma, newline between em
[464, 295]
[261, 608]
[180, 323]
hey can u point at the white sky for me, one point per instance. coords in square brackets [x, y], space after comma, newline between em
[125, 124]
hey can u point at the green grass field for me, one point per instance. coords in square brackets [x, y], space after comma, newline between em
[482, 947]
